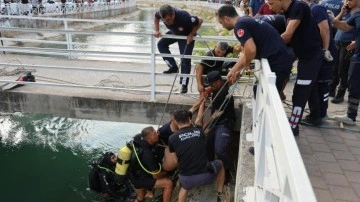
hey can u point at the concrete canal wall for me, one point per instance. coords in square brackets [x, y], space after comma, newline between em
[132, 111]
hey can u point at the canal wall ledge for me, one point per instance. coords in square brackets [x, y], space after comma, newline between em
[97, 104]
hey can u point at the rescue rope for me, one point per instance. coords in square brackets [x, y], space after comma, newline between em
[177, 73]
[223, 105]
[231, 90]
[141, 165]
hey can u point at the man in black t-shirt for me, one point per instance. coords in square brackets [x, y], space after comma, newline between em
[187, 145]
[145, 172]
[220, 127]
[302, 33]
[222, 49]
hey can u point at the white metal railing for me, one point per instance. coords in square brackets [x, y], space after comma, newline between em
[69, 48]
[56, 8]
[280, 174]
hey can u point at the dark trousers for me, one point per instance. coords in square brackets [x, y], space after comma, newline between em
[306, 88]
[216, 144]
[323, 90]
[184, 48]
[281, 78]
[354, 89]
[341, 67]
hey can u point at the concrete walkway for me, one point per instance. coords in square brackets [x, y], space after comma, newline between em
[331, 154]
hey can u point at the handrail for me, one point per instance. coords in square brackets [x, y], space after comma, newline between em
[280, 174]
[149, 54]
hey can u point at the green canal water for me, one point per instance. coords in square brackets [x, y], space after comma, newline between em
[46, 159]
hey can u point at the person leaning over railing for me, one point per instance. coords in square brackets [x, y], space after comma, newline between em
[259, 40]
[179, 22]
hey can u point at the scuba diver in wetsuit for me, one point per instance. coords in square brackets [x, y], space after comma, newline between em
[101, 180]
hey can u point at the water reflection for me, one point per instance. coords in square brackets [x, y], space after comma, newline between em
[70, 133]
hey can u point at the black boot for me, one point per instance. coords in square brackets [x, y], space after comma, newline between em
[171, 70]
[184, 89]
[339, 97]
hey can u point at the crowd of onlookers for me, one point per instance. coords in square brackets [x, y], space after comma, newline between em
[25, 7]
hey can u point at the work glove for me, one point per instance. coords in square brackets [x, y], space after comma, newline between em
[327, 56]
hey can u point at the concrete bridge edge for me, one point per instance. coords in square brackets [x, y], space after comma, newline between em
[246, 167]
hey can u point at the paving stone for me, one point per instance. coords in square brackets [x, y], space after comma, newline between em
[319, 140]
[343, 193]
[309, 131]
[323, 195]
[320, 147]
[357, 157]
[333, 138]
[355, 150]
[329, 133]
[336, 179]
[330, 167]
[309, 159]
[352, 176]
[352, 143]
[313, 170]
[348, 135]
[342, 155]
[349, 165]
[302, 141]
[305, 149]
[338, 146]
[356, 188]
[318, 182]
[325, 156]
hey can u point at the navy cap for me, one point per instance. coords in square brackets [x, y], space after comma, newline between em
[212, 76]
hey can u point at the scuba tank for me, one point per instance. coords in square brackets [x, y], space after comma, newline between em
[123, 162]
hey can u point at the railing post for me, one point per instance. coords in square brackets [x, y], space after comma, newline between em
[152, 71]
[68, 39]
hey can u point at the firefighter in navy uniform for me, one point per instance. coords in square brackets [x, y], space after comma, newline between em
[259, 40]
[302, 33]
[320, 17]
[179, 22]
